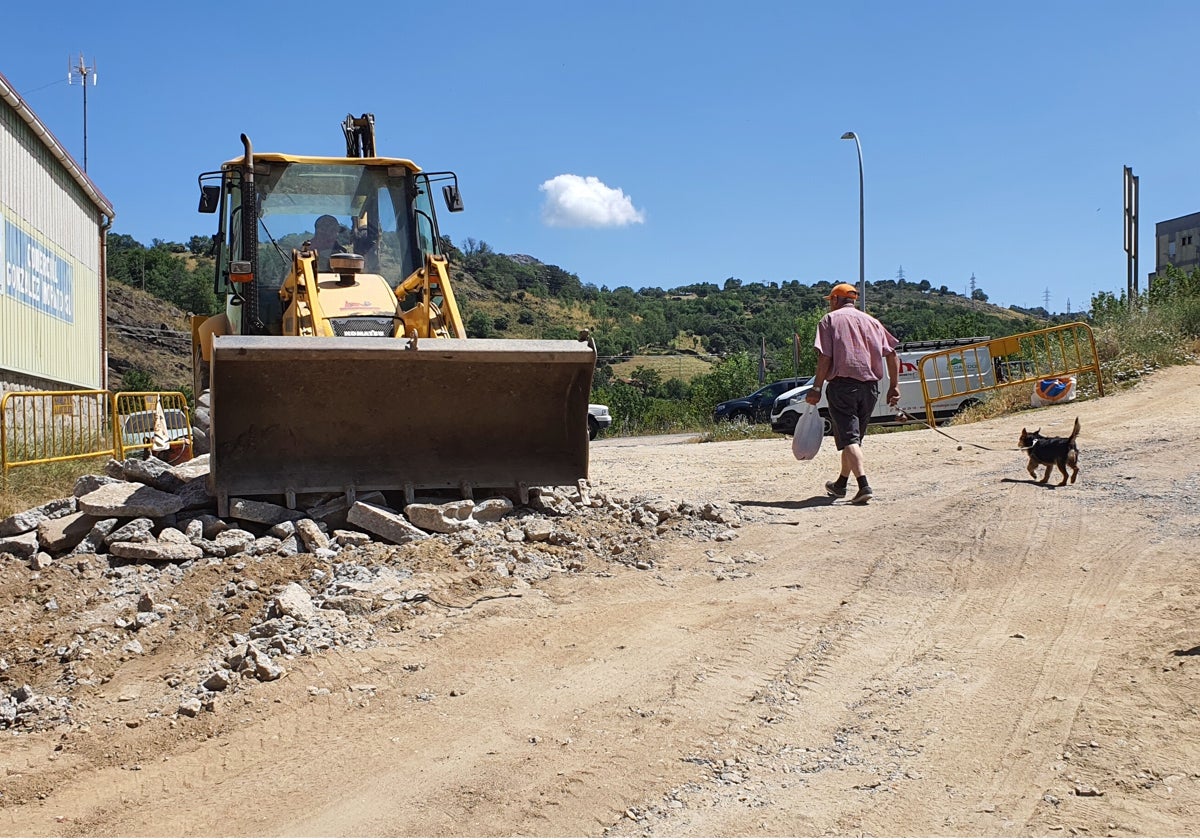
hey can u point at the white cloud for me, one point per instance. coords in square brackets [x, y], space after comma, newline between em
[572, 201]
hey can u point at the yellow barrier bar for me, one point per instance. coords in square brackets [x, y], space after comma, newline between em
[1076, 354]
[41, 427]
[135, 414]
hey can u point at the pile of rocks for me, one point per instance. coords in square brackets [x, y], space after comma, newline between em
[143, 527]
[149, 511]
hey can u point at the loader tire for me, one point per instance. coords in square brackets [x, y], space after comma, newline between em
[201, 425]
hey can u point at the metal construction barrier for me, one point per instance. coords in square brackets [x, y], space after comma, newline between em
[139, 415]
[1022, 359]
[41, 427]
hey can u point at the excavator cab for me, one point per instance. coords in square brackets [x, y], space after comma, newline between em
[336, 344]
[382, 209]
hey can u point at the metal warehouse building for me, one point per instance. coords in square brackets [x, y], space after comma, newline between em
[53, 222]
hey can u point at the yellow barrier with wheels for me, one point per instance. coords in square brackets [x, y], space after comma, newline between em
[42, 427]
[1025, 358]
[139, 415]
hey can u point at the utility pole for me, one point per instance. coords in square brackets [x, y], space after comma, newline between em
[83, 71]
[1131, 236]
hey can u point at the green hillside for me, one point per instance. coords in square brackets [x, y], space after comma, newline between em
[666, 356]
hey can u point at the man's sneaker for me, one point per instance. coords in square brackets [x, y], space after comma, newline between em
[863, 496]
[835, 491]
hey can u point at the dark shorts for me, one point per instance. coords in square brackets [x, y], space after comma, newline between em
[851, 404]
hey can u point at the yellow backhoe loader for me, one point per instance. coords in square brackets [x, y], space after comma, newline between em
[341, 364]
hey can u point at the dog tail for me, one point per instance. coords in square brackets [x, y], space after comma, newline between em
[1074, 432]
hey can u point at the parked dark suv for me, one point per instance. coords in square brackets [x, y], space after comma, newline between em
[757, 406]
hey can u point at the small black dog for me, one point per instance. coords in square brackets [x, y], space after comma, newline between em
[1051, 452]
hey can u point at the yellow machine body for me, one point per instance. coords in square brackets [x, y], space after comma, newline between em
[348, 370]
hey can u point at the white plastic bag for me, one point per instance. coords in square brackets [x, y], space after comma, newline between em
[810, 428]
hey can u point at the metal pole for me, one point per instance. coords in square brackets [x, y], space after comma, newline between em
[84, 120]
[84, 71]
[862, 271]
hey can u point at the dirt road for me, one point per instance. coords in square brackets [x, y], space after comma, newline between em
[970, 654]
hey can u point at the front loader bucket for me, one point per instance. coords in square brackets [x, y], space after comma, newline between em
[302, 415]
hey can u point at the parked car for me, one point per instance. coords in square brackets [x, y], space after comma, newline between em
[598, 419]
[756, 407]
[789, 404]
[138, 427]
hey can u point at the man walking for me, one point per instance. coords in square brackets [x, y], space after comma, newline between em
[852, 349]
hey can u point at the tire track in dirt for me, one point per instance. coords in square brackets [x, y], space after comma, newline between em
[822, 666]
[1130, 744]
[1042, 687]
[869, 655]
[690, 672]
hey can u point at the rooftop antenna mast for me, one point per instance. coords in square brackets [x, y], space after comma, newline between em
[83, 71]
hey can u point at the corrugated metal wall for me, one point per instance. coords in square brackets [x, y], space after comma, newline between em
[49, 264]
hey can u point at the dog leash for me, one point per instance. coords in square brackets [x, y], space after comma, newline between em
[912, 419]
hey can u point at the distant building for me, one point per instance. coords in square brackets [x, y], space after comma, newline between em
[1177, 243]
[53, 224]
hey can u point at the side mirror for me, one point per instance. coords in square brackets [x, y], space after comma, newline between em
[453, 199]
[210, 199]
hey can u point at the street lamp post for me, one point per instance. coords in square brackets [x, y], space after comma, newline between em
[862, 274]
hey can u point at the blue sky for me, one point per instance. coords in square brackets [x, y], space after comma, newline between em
[666, 143]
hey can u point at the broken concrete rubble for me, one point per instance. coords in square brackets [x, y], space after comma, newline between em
[21, 523]
[384, 523]
[126, 540]
[129, 499]
[23, 546]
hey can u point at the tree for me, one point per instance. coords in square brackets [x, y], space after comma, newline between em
[647, 378]
[979, 295]
[200, 246]
[728, 379]
[675, 389]
[136, 379]
[479, 325]
[626, 403]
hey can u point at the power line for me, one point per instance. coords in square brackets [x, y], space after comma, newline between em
[43, 87]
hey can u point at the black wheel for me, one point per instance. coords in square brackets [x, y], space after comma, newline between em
[593, 427]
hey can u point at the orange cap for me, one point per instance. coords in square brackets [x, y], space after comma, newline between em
[842, 290]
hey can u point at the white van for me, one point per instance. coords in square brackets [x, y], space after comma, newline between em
[953, 372]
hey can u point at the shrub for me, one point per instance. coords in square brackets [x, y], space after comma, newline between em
[136, 379]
